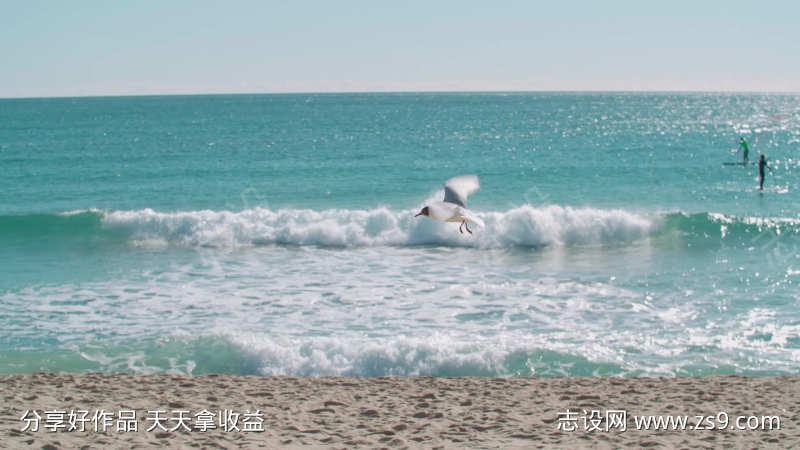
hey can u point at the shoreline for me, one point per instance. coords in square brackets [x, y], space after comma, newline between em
[394, 412]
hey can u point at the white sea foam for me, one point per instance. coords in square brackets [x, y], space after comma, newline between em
[385, 307]
[328, 312]
[80, 211]
[524, 226]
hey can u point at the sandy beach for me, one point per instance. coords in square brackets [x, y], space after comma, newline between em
[225, 411]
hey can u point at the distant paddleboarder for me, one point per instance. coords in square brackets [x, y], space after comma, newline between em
[745, 149]
[761, 164]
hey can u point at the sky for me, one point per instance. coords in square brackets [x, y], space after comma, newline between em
[86, 47]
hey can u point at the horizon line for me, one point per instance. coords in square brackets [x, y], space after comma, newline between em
[422, 91]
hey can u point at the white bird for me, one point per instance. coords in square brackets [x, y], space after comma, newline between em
[454, 206]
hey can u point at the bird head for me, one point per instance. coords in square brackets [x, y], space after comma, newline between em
[424, 212]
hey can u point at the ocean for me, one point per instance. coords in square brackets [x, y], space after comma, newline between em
[274, 234]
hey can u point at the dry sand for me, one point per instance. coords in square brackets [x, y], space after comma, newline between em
[396, 412]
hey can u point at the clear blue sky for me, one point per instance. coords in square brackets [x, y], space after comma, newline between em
[64, 48]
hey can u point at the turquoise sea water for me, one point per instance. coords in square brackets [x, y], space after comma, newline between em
[274, 234]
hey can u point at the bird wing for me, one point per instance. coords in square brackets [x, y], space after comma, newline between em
[457, 189]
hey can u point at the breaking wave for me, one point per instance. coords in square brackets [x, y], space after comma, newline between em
[524, 227]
